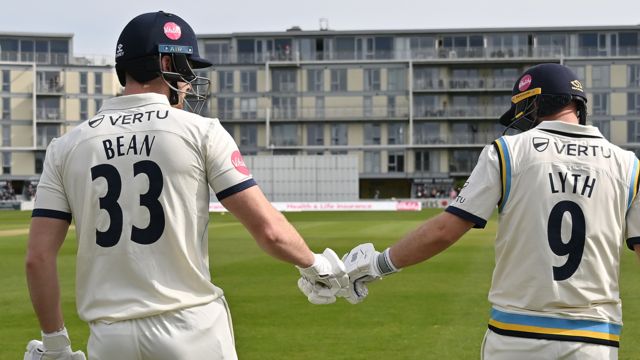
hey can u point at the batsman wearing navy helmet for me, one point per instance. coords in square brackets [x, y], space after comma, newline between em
[567, 204]
[136, 180]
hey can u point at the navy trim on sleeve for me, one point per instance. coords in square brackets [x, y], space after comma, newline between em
[631, 242]
[235, 189]
[479, 222]
[55, 214]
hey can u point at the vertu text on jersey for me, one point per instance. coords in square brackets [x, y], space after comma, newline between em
[128, 145]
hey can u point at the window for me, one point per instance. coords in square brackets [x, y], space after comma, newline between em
[427, 78]
[315, 80]
[6, 80]
[248, 108]
[634, 75]
[551, 45]
[6, 135]
[395, 133]
[284, 134]
[315, 134]
[248, 81]
[284, 107]
[633, 131]
[395, 161]
[427, 106]
[345, 47]
[600, 104]
[225, 108]
[283, 80]
[98, 83]
[396, 80]
[427, 161]
[504, 78]
[426, 133]
[48, 108]
[463, 132]
[6, 162]
[422, 47]
[600, 76]
[46, 133]
[248, 138]
[225, 80]
[246, 51]
[9, 50]
[217, 52]
[633, 104]
[367, 106]
[372, 162]
[6, 108]
[371, 134]
[628, 43]
[83, 82]
[339, 135]
[84, 109]
[391, 106]
[320, 107]
[463, 161]
[338, 79]
[27, 48]
[371, 79]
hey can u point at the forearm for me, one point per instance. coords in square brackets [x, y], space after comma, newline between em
[42, 279]
[283, 242]
[429, 239]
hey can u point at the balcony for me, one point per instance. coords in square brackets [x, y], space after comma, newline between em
[459, 112]
[49, 115]
[463, 139]
[50, 87]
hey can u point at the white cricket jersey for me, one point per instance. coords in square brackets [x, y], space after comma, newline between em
[136, 180]
[564, 194]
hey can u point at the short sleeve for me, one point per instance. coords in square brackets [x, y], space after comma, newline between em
[226, 170]
[51, 199]
[633, 214]
[482, 191]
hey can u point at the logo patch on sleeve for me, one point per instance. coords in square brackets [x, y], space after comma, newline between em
[238, 163]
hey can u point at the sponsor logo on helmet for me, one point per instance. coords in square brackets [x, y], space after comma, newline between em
[119, 51]
[540, 144]
[576, 85]
[95, 122]
[238, 163]
[525, 82]
[172, 30]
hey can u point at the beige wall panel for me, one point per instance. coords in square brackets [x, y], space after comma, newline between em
[618, 132]
[73, 109]
[619, 75]
[355, 79]
[618, 104]
[22, 80]
[23, 163]
[21, 109]
[72, 82]
[21, 135]
[355, 135]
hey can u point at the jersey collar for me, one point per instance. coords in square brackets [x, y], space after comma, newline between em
[560, 128]
[134, 101]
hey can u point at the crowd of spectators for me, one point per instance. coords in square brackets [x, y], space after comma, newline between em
[424, 192]
[6, 192]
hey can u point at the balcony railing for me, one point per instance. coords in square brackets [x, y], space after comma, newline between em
[470, 83]
[49, 114]
[459, 111]
[49, 87]
[459, 138]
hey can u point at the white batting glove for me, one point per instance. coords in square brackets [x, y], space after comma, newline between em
[364, 264]
[54, 346]
[323, 280]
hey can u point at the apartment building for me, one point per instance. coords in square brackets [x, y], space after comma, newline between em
[45, 91]
[415, 106]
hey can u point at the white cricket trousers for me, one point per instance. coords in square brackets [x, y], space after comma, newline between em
[500, 347]
[197, 333]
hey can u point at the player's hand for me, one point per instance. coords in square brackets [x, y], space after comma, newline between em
[364, 264]
[325, 279]
[54, 346]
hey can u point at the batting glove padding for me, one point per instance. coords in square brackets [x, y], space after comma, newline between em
[54, 346]
[364, 264]
[325, 279]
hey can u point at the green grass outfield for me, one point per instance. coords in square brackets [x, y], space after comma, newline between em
[434, 310]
